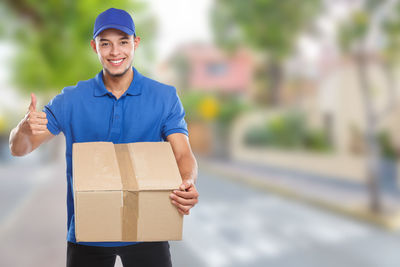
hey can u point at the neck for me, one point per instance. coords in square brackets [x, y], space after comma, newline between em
[118, 84]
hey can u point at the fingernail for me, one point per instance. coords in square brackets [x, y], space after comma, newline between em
[171, 196]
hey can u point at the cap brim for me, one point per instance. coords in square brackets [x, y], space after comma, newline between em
[114, 26]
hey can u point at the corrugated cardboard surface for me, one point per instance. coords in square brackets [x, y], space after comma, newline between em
[156, 212]
[98, 214]
[122, 192]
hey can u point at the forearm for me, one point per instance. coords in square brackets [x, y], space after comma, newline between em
[20, 143]
[187, 196]
[188, 167]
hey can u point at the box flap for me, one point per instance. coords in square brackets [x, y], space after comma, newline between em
[155, 166]
[95, 167]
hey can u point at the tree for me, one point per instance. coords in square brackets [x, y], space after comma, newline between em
[269, 26]
[53, 40]
[354, 36]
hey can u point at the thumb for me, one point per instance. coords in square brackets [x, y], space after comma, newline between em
[32, 106]
[185, 185]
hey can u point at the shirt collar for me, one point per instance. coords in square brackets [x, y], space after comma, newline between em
[135, 88]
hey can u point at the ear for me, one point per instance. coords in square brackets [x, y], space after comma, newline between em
[93, 45]
[136, 41]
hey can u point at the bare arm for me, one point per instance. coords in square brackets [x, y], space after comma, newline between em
[184, 157]
[185, 198]
[31, 132]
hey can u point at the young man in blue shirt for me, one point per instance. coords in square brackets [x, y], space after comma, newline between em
[119, 105]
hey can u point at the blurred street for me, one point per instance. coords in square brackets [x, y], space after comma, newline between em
[293, 112]
[233, 225]
[255, 228]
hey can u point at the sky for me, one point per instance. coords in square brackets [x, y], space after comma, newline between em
[180, 21]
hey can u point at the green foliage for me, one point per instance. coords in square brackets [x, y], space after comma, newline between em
[391, 29]
[53, 38]
[267, 25]
[229, 107]
[270, 27]
[354, 31]
[288, 131]
[386, 145]
[191, 102]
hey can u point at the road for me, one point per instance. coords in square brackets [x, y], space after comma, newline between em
[233, 225]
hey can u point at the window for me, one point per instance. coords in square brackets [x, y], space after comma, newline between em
[217, 69]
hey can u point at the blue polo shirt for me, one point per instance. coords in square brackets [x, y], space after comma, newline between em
[148, 111]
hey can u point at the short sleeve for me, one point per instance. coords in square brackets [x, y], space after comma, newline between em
[175, 121]
[55, 114]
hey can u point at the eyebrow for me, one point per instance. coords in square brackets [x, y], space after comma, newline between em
[122, 38]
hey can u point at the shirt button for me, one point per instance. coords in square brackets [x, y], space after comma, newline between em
[116, 117]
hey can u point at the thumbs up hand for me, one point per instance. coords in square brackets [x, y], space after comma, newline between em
[34, 123]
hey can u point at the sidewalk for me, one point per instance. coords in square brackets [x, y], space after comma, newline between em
[34, 233]
[343, 196]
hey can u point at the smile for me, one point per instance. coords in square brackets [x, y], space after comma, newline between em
[116, 62]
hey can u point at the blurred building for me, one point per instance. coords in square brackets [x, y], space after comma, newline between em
[333, 100]
[205, 67]
[214, 81]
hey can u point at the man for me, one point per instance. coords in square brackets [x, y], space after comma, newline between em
[119, 105]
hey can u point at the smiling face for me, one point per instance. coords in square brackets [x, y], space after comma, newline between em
[115, 50]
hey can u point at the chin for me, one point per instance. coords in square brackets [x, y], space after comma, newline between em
[116, 73]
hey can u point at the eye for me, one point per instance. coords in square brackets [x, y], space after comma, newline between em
[104, 44]
[124, 42]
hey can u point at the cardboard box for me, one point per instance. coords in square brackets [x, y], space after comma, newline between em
[122, 192]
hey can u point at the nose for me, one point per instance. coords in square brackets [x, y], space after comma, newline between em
[114, 50]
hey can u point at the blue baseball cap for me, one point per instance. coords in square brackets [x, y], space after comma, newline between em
[114, 18]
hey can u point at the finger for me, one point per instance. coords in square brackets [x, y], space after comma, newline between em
[35, 117]
[35, 120]
[184, 201]
[186, 194]
[180, 206]
[37, 127]
[41, 121]
[37, 132]
[32, 106]
[185, 185]
[183, 212]
[41, 114]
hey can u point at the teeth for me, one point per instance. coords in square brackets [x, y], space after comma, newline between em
[116, 61]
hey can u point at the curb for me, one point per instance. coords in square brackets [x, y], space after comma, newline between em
[389, 222]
